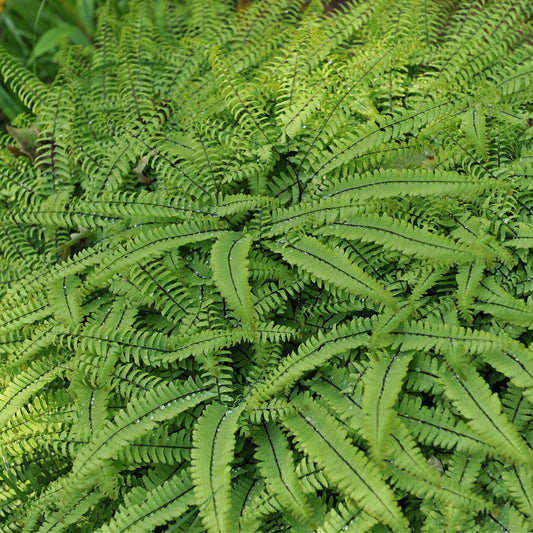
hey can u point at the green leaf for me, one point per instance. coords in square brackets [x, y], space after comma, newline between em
[277, 467]
[321, 437]
[85, 11]
[472, 397]
[229, 261]
[145, 509]
[50, 39]
[65, 300]
[383, 382]
[401, 236]
[211, 457]
[468, 278]
[333, 267]
[311, 354]
[162, 402]
[519, 482]
[474, 125]
[347, 517]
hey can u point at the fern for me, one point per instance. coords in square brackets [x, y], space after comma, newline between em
[379, 399]
[228, 260]
[213, 440]
[321, 437]
[277, 466]
[268, 269]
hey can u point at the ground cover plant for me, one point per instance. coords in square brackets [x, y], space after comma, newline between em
[268, 269]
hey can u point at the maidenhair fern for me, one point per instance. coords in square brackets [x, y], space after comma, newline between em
[268, 269]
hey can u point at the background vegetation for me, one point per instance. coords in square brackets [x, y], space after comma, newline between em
[32, 30]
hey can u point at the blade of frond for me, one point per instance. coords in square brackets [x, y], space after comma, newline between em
[474, 125]
[65, 300]
[229, 261]
[163, 402]
[508, 518]
[516, 407]
[472, 397]
[401, 236]
[347, 517]
[518, 480]
[239, 99]
[144, 509]
[277, 467]
[310, 355]
[410, 470]
[28, 87]
[333, 267]
[158, 447]
[322, 438]
[493, 299]
[74, 515]
[523, 236]
[212, 453]
[27, 382]
[383, 382]
[439, 427]
[257, 505]
[148, 244]
[372, 136]
[205, 343]
[468, 278]
[386, 183]
[405, 462]
[18, 314]
[507, 355]
[240, 203]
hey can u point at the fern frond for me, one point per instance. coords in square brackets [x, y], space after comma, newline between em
[347, 517]
[277, 467]
[156, 240]
[474, 125]
[400, 236]
[65, 300]
[405, 463]
[257, 505]
[323, 439]
[31, 91]
[230, 273]
[157, 447]
[496, 301]
[332, 267]
[385, 183]
[382, 383]
[508, 517]
[163, 402]
[213, 446]
[518, 481]
[311, 354]
[468, 278]
[247, 112]
[483, 411]
[24, 384]
[145, 509]
[438, 427]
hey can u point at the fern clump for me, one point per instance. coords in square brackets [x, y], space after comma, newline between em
[269, 269]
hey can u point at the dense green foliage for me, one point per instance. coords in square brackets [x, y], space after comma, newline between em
[32, 30]
[270, 270]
